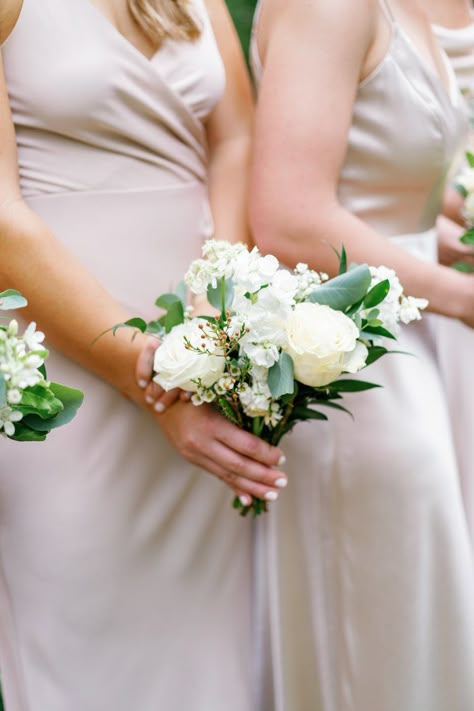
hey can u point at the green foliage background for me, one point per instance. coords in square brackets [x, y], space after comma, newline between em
[242, 13]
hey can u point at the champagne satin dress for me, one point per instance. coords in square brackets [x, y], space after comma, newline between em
[124, 572]
[366, 574]
[459, 46]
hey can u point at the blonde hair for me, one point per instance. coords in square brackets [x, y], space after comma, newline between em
[163, 19]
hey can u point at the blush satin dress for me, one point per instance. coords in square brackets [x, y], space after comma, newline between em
[366, 578]
[124, 572]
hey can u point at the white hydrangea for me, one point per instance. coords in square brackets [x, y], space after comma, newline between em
[21, 356]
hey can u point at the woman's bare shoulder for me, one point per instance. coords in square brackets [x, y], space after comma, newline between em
[9, 13]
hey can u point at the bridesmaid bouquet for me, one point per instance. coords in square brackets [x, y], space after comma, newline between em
[465, 186]
[280, 341]
[30, 405]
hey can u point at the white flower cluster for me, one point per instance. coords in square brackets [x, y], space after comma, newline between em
[257, 400]
[308, 280]
[20, 360]
[396, 307]
[466, 181]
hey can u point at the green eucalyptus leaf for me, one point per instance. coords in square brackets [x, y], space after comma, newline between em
[281, 378]
[71, 400]
[222, 296]
[345, 290]
[174, 316]
[24, 433]
[182, 292]
[154, 328]
[12, 299]
[166, 300]
[377, 294]
[351, 386]
[461, 190]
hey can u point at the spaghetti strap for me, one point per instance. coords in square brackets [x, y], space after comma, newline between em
[387, 10]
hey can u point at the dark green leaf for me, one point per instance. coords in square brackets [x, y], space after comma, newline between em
[306, 413]
[377, 294]
[137, 323]
[281, 377]
[12, 299]
[375, 352]
[71, 400]
[351, 386]
[468, 237]
[343, 261]
[23, 433]
[370, 332]
[345, 290]
[335, 406]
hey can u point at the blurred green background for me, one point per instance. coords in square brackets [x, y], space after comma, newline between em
[242, 13]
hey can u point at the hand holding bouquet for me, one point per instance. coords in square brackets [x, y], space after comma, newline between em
[280, 341]
[30, 405]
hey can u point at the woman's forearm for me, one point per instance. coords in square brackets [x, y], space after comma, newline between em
[307, 235]
[66, 301]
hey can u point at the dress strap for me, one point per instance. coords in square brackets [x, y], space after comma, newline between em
[387, 10]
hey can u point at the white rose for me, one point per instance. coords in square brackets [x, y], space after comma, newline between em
[319, 341]
[355, 360]
[176, 366]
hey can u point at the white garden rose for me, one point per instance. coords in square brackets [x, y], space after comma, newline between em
[320, 341]
[177, 366]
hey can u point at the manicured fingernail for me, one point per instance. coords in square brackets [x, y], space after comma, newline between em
[149, 399]
[159, 407]
[143, 383]
[245, 500]
[271, 496]
[282, 461]
[281, 483]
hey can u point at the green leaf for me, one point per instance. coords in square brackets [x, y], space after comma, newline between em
[71, 400]
[375, 352]
[343, 261]
[377, 294]
[461, 190]
[12, 299]
[228, 411]
[137, 323]
[345, 290]
[3, 389]
[222, 295]
[306, 413]
[39, 400]
[174, 316]
[468, 237]
[23, 433]
[281, 379]
[351, 386]
[463, 267]
[166, 300]
[370, 332]
[181, 292]
[335, 406]
[154, 328]
[470, 159]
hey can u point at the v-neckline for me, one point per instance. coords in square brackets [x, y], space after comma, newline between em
[119, 35]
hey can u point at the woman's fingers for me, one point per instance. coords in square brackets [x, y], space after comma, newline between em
[165, 399]
[250, 446]
[242, 487]
[144, 364]
[241, 467]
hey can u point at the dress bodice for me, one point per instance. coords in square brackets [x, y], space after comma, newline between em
[79, 91]
[406, 129]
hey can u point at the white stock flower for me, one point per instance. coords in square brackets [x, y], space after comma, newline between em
[389, 308]
[256, 399]
[410, 308]
[251, 271]
[8, 417]
[219, 258]
[263, 354]
[320, 341]
[177, 366]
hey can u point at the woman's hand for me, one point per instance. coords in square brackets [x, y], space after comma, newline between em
[450, 249]
[244, 462]
[155, 396]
